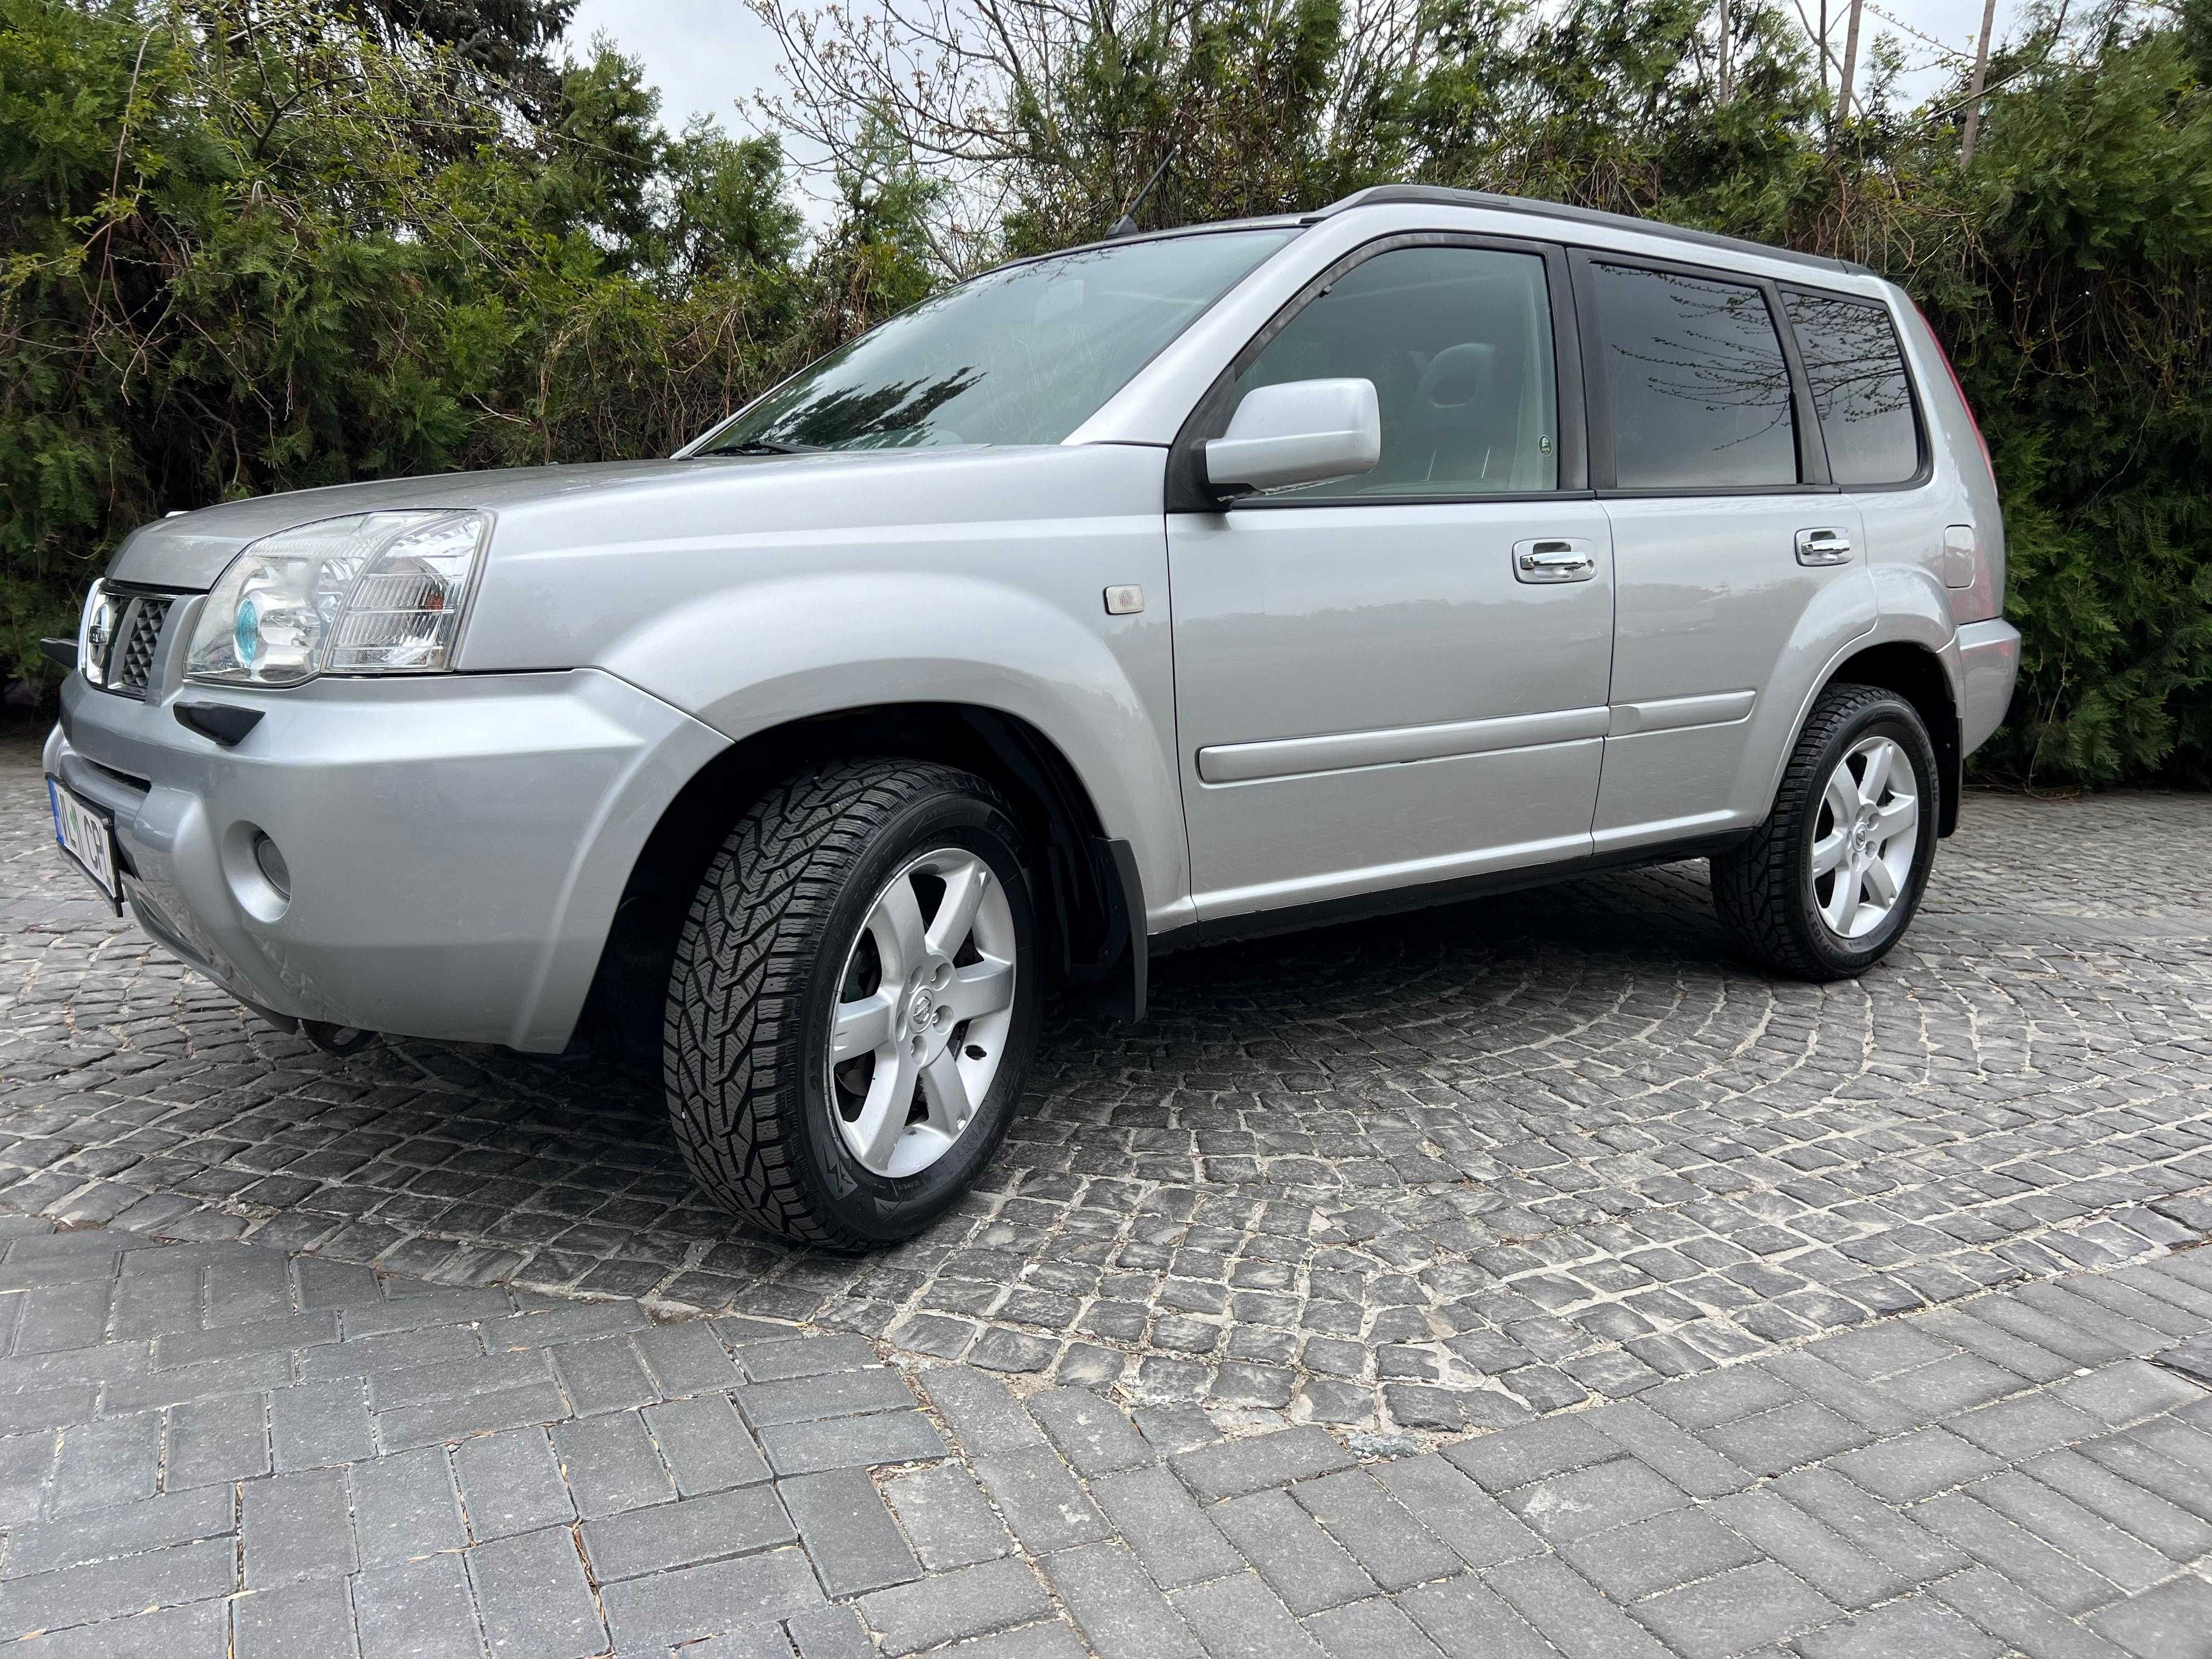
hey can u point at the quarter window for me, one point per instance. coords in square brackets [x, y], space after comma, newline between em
[1859, 388]
[1458, 343]
[1696, 383]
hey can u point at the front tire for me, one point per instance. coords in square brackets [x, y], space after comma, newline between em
[854, 1001]
[1827, 886]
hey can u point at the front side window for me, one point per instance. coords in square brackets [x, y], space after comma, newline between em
[1458, 343]
[1023, 355]
[1696, 383]
[1857, 371]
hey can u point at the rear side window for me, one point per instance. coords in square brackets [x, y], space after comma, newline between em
[1696, 383]
[1859, 387]
[1458, 343]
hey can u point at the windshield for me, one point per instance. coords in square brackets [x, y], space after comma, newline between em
[1023, 355]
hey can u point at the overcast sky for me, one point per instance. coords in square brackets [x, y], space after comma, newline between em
[710, 57]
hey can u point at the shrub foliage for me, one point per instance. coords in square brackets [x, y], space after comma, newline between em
[256, 245]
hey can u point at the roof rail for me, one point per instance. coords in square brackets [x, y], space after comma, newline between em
[1439, 196]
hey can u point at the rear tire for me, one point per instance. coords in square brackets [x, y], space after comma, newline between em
[793, 944]
[1827, 886]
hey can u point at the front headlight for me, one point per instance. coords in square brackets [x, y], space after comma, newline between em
[372, 593]
[95, 632]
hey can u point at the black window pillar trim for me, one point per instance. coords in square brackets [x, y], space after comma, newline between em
[1188, 490]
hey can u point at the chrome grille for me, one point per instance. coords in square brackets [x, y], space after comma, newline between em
[131, 658]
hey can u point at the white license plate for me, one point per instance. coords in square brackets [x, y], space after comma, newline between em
[86, 834]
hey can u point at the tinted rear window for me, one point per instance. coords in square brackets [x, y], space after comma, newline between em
[1696, 383]
[1859, 387]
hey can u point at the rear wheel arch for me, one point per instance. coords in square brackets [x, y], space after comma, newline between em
[1090, 905]
[1915, 674]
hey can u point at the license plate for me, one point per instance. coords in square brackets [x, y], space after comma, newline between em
[88, 835]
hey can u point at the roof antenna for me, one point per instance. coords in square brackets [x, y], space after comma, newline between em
[1126, 224]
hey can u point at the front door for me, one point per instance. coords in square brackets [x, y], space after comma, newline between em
[1400, 678]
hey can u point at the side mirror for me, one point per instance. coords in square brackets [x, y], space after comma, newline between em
[1301, 432]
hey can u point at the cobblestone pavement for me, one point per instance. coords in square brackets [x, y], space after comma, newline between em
[213, 1452]
[1403, 1179]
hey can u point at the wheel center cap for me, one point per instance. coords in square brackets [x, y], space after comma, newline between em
[920, 1008]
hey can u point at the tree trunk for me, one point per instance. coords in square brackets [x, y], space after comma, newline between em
[1981, 79]
[1849, 71]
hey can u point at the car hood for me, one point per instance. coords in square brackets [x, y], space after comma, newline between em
[187, 551]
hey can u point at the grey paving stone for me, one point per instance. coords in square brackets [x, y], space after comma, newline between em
[1239, 1617]
[848, 1443]
[1467, 1620]
[1091, 1434]
[982, 1416]
[666, 1608]
[1910, 1466]
[842, 1394]
[1673, 1452]
[2173, 1621]
[313, 1617]
[532, 1600]
[197, 1630]
[1040, 1499]
[510, 1484]
[295, 1526]
[1919, 1625]
[1590, 1500]
[1237, 1466]
[111, 1589]
[2146, 1515]
[611, 1463]
[603, 1376]
[1116, 1606]
[1373, 1629]
[417, 1609]
[90, 1536]
[1363, 1516]
[970, 1601]
[1302, 1564]
[804, 1356]
[947, 1517]
[405, 1505]
[1656, 1553]
[313, 1425]
[1742, 1608]
[1992, 1602]
[1567, 1612]
[820, 1633]
[450, 1421]
[848, 1533]
[1787, 1437]
[1178, 1542]
[1896, 1539]
[284, 1335]
[1996, 1541]
[740, 1520]
[2077, 1532]
[687, 1357]
[1476, 1527]
[107, 1463]
[1822, 1557]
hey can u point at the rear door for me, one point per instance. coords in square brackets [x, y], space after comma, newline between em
[1736, 561]
[1399, 678]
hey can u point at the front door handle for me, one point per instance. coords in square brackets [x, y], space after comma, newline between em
[1554, 560]
[1823, 547]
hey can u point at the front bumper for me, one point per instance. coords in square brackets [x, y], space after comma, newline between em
[1989, 664]
[456, 843]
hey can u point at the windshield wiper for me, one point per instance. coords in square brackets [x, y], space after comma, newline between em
[761, 446]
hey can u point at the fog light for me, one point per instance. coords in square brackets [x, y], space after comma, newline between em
[270, 863]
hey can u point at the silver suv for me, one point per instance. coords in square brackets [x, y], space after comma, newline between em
[1206, 582]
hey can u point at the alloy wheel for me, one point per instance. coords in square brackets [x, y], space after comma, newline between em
[1865, 838]
[924, 1009]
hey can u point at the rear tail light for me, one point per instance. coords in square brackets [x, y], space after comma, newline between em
[1944, 358]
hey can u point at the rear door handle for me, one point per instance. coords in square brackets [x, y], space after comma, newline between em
[1823, 547]
[1556, 559]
